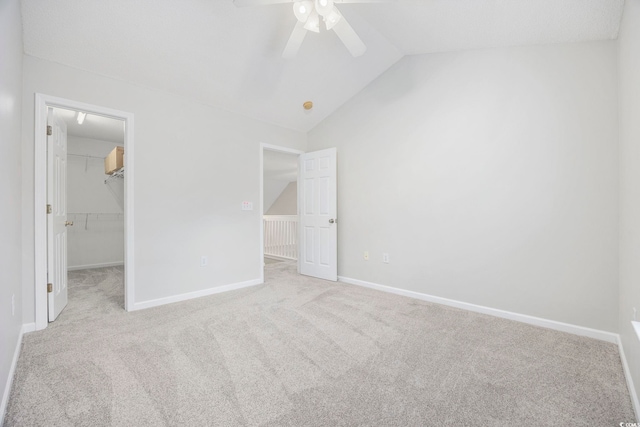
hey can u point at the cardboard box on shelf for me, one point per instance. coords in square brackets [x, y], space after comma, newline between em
[114, 161]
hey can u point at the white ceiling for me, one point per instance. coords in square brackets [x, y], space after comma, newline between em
[280, 166]
[428, 26]
[94, 127]
[229, 57]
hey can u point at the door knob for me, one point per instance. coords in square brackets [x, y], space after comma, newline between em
[331, 221]
[68, 223]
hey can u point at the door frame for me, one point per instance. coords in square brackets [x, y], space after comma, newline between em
[270, 147]
[42, 103]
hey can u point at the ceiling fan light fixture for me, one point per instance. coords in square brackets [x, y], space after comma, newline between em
[313, 23]
[302, 10]
[333, 18]
[324, 7]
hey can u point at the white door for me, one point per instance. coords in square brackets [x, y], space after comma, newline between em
[318, 209]
[57, 218]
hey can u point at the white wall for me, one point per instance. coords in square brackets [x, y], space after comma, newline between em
[97, 236]
[273, 188]
[629, 50]
[10, 188]
[194, 167]
[490, 177]
[279, 169]
[287, 202]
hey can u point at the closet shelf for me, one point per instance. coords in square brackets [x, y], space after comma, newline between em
[119, 174]
[95, 218]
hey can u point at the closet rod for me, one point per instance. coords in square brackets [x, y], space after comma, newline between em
[86, 156]
[95, 213]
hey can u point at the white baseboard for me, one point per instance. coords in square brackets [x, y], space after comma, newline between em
[636, 327]
[537, 321]
[88, 266]
[28, 327]
[629, 378]
[196, 294]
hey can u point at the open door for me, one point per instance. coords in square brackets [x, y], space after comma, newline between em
[318, 208]
[57, 214]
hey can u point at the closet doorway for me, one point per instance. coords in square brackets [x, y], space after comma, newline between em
[83, 206]
[95, 177]
[95, 190]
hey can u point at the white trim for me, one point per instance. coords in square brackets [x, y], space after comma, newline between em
[195, 294]
[40, 216]
[271, 147]
[27, 327]
[42, 102]
[537, 321]
[629, 378]
[279, 258]
[279, 217]
[281, 149]
[90, 266]
[636, 327]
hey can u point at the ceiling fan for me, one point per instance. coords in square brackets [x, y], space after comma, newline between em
[309, 14]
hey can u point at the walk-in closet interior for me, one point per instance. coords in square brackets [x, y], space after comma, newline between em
[95, 194]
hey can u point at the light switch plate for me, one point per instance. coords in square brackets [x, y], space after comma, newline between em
[247, 206]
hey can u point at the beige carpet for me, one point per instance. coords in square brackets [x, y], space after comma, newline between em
[304, 352]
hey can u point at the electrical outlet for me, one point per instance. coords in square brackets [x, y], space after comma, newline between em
[204, 261]
[13, 305]
[366, 255]
[385, 258]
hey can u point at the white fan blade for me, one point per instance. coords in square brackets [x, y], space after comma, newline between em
[296, 39]
[349, 37]
[244, 3]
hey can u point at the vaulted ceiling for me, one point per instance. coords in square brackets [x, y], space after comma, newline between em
[230, 57]
[280, 166]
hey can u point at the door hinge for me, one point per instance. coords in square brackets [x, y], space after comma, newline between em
[49, 287]
[49, 131]
[49, 209]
